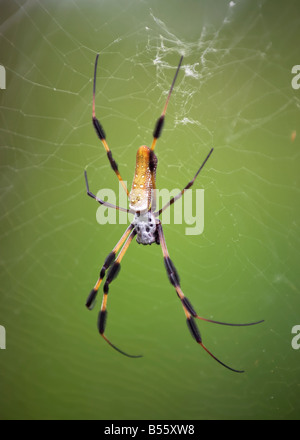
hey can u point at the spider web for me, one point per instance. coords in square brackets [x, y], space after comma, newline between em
[233, 93]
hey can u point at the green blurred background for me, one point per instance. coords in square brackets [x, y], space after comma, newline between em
[234, 93]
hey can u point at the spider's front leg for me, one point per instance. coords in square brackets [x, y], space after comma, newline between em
[90, 302]
[112, 274]
[187, 306]
[113, 266]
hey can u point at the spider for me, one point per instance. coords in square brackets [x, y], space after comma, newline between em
[146, 225]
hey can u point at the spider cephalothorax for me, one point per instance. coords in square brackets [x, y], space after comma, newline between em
[146, 228]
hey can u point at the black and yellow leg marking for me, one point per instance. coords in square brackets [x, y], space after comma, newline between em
[101, 134]
[111, 275]
[189, 311]
[160, 122]
[90, 302]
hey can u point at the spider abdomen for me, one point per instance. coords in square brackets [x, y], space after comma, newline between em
[143, 185]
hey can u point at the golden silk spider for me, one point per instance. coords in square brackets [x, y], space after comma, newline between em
[146, 225]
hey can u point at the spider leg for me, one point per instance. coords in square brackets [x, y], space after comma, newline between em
[101, 134]
[156, 134]
[160, 122]
[187, 307]
[189, 185]
[112, 274]
[102, 202]
[90, 302]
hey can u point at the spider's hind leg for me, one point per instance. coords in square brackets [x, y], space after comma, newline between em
[101, 134]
